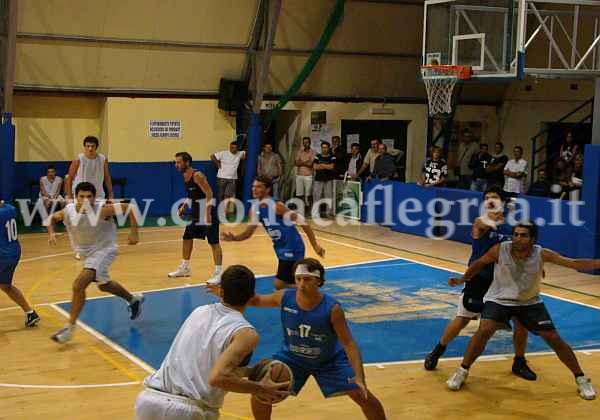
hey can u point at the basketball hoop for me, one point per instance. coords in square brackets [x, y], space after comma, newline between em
[439, 82]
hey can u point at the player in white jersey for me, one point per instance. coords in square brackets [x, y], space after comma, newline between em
[92, 167]
[515, 293]
[207, 359]
[93, 235]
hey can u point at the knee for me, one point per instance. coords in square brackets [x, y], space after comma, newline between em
[104, 287]
[550, 336]
[5, 287]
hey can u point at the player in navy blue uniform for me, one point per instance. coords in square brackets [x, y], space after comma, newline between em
[488, 230]
[317, 342]
[280, 223]
[10, 253]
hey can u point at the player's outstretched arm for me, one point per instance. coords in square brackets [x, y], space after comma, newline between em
[267, 301]
[73, 168]
[282, 210]
[576, 264]
[338, 321]
[49, 222]
[246, 233]
[489, 257]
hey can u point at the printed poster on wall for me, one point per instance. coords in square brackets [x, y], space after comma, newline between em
[351, 138]
[164, 129]
[318, 133]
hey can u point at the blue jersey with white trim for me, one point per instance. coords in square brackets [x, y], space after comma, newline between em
[309, 337]
[287, 242]
[9, 243]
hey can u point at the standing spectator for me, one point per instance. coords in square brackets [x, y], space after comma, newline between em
[515, 172]
[304, 173]
[435, 170]
[355, 161]
[228, 162]
[541, 187]
[91, 167]
[385, 165]
[561, 179]
[324, 176]
[479, 163]
[270, 165]
[50, 189]
[466, 150]
[369, 161]
[577, 177]
[495, 169]
[569, 148]
[340, 157]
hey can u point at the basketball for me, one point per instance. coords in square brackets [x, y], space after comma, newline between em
[278, 372]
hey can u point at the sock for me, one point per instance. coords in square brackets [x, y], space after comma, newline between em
[464, 367]
[29, 312]
[185, 263]
[441, 346]
[218, 269]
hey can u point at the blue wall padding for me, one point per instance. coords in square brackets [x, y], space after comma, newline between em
[7, 158]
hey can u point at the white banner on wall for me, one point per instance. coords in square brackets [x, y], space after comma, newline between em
[318, 133]
[164, 129]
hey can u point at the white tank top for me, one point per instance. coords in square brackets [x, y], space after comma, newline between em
[516, 282]
[91, 170]
[52, 187]
[199, 342]
[87, 236]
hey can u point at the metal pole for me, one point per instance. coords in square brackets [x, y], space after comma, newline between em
[575, 33]
[596, 117]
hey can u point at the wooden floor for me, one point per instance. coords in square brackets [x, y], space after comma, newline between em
[88, 379]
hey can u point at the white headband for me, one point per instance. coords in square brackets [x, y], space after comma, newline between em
[302, 270]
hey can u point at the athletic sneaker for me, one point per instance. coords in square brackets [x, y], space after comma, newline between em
[182, 271]
[31, 319]
[135, 306]
[585, 388]
[215, 280]
[77, 256]
[64, 334]
[432, 358]
[455, 382]
[522, 370]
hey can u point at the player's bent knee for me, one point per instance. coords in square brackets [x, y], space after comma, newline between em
[105, 287]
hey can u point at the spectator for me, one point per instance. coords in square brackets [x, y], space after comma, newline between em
[373, 152]
[541, 187]
[478, 164]
[467, 148]
[91, 167]
[515, 172]
[561, 179]
[270, 165]
[385, 165]
[324, 175]
[355, 161]
[435, 170]
[569, 148]
[228, 162]
[50, 189]
[304, 173]
[495, 169]
[576, 178]
[340, 157]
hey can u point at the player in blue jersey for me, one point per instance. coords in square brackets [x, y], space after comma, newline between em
[10, 253]
[488, 230]
[280, 223]
[317, 342]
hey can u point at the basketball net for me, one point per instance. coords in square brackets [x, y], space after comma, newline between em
[439, 82]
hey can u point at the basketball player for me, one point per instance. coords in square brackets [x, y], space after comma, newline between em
[206, 358]
[280, 223]
[93, 235]
[487, 231]
[10, 253]
[317, 342]
[204, 224]
[92, 167]
[515, 292]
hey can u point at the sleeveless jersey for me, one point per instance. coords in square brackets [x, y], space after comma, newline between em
[309, 337]
[198, 344]
[195, 193]
[88, 234]
[52, 187]
[287, 242]
[92, 171]
[9, 243]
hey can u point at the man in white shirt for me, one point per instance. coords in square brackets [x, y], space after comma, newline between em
[92, 167]
[228, 162]
[50, 188]
[515, 173]
[208, 358]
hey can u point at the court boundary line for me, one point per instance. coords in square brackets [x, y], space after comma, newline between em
[60, 387]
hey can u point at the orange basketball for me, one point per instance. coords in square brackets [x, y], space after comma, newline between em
[278, 372]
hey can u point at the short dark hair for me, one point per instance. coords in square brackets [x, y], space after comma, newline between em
[311, 264]
[377, 140]
[484, 145]
[520, 148]
[85, 186]
[50, 167]
[530, 226]
[336, 137]
[494, 189]
[323, 143]
[501, 144]
[91, 139]
[185, 156]
[305, 138]
[355, 145]
[237, 284]
[233, 143]
[265, 180]
[384, 146]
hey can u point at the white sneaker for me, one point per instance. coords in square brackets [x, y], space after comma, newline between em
[77, 256]
[457, 379]
[64, 334]
[181, 272]
[585, 388]
[215, 280]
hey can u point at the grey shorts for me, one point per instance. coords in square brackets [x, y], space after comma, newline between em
[227, 187]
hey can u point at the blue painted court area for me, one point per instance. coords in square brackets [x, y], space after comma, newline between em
[396, 310]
